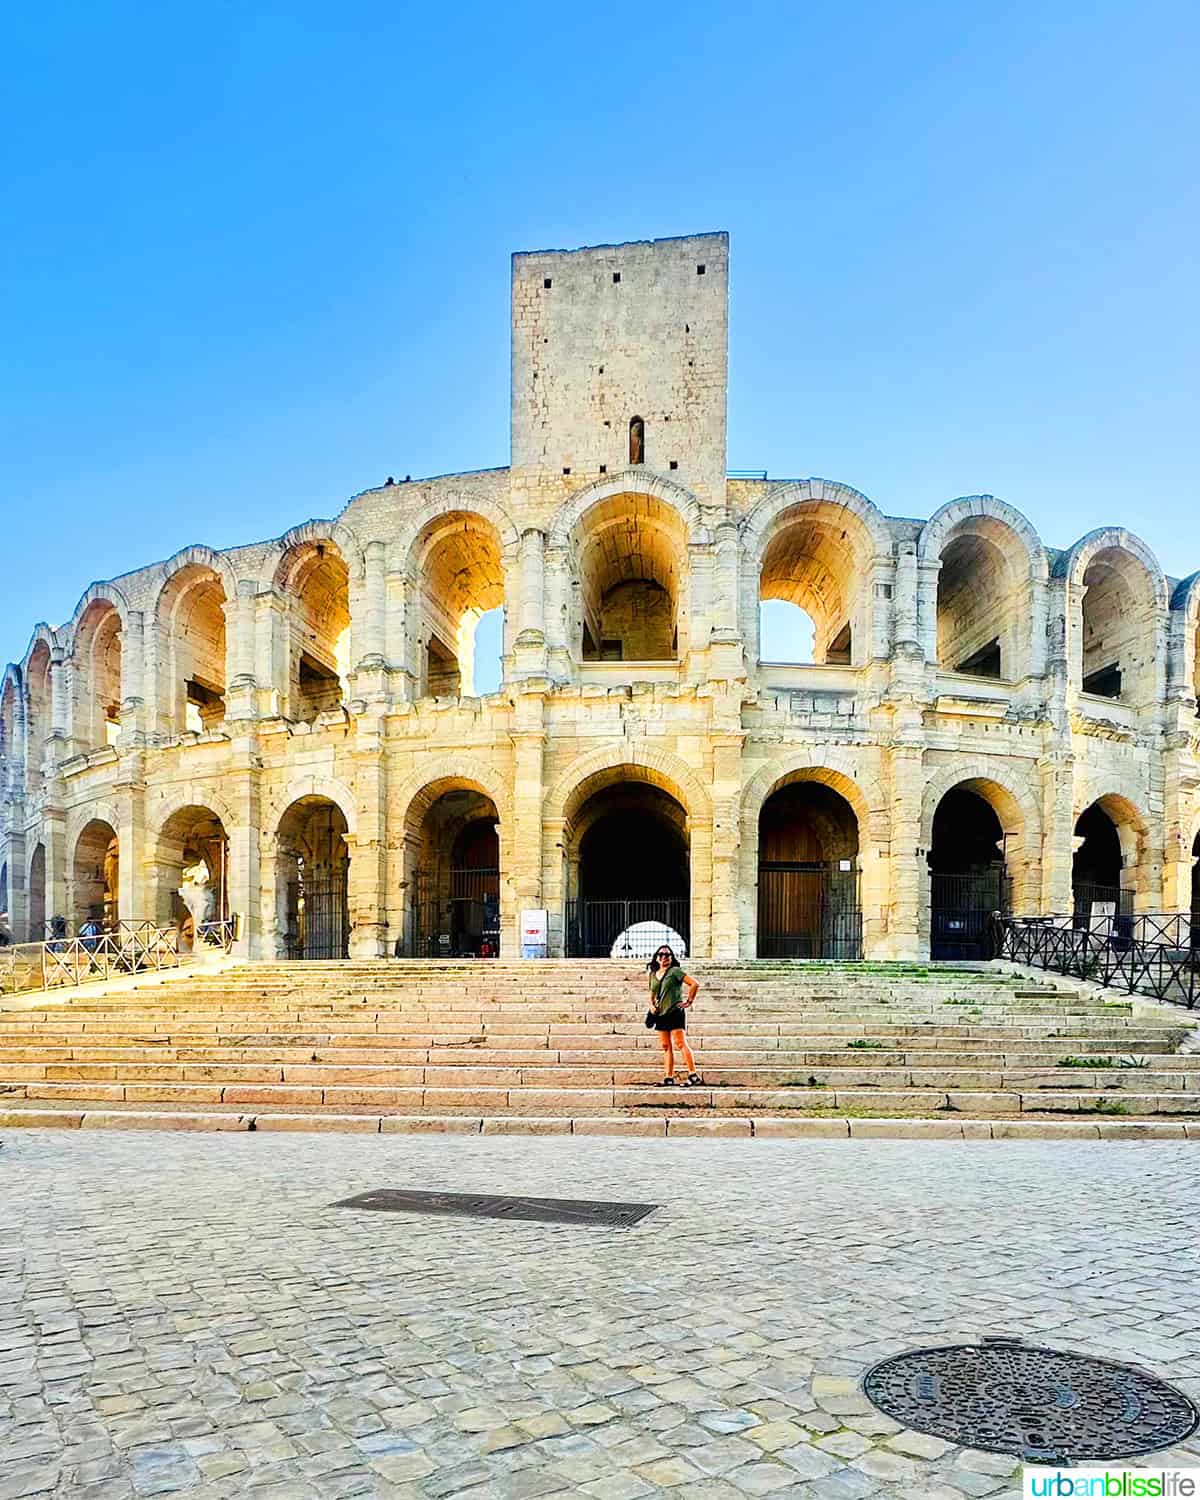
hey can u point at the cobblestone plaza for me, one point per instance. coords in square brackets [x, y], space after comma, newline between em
[188, 1314]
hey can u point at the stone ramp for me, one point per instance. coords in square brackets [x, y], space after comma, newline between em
[559, 1046]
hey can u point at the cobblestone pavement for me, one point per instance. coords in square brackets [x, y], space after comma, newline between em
[187, 1314]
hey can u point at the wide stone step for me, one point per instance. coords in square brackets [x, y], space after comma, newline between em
[760, 1127]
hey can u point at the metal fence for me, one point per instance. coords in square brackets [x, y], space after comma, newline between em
[465, 924]
[627, 928]
[129, 948]
[1122, 953]
[808, 912]
[962, 913]
[318, 917]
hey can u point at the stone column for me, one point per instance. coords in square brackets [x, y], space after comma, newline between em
[372, 935]
[524, 876]
[905, 601]
[133, 662]
[12, 852]
[556, 565]
[397, 628]
[909, 914]
[54, 840]
[726, 843]
[881, 580]
[927, 591]
[529, 647]
[273, 653]
[700, 859]
[135, 868]
[241, 692]
[1058, 832]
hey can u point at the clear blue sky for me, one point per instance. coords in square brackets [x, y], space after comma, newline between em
[256, 256]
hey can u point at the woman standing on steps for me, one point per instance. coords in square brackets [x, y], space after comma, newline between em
[667, 981]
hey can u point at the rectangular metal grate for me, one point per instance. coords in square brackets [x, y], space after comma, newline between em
[487, 1206]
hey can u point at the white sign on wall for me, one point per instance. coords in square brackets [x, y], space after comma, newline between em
[534, 932]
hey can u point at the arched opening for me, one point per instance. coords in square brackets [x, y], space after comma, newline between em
[637, 441]
[312, 880]
[628, 878]
[316, 580]
[96, 874]
[809, 903]
[983, 604]
[786, 633]
[192, 873]
[817, 559]
[38, 715]
[98, 676]
[458, 562]
[1118, 628]
[191, 617]
[1097, 870]
[454, 853]
[37, 896]
[968, 875]
[631, 562]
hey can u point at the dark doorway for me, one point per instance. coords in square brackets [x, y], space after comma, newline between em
[632, 887]
[455, 909]
[1096, 868]
[313, 875]
[968, 884]
[808, 878]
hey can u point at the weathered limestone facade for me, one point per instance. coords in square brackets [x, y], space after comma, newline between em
[302, 712]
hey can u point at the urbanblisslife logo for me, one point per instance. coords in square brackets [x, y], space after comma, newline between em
[1112, 1484]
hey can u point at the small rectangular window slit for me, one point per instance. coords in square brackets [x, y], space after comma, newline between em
[546, 283]
[674, 463]
[566, 471]
[616, 277]
[699, 270]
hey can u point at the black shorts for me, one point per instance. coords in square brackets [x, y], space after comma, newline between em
[671, 1020]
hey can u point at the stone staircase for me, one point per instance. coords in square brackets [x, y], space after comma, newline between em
[559, 1046]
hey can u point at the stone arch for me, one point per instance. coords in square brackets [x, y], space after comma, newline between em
[329, 788]
[107, 593]
[678, 777]
[98, 666]
[273, 574]
[815, 545]
[841, 772]
[1018, 810]
[79, 817]
[12, 730]
[636, 481]
[472, 504]
[205, 796]
[941, 526]
[42, 635]
[1115, 602]
[1139, 836]
[760, 520]
[828, 765]
[170, 835]
[445, 771]
[456, 564]
[195, 556]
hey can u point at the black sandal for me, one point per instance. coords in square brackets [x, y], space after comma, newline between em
[693, 1079]
[667, 1083]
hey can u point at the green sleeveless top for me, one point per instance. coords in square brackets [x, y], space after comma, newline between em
[665, 991]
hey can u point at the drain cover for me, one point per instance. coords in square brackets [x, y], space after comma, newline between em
[483, 1206]
[1039, 1404]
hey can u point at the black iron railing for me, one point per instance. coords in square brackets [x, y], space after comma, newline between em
[1122, 953]
[127, 948]
[627, 928]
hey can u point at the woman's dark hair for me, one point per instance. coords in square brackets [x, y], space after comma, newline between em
[669, 951]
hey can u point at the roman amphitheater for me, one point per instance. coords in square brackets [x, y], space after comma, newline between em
[986, 721]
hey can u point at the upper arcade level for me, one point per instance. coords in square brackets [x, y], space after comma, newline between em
[629, 580]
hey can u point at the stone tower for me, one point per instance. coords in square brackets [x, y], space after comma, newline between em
[619, 359]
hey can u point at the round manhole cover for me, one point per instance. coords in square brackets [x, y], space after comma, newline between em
[1039, 1404]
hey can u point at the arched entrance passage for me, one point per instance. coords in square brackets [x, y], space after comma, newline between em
[968, 877]
[1097, 882]
[808, 874]
[453, 841]
[312, 880]
[626, 846]
[192, 871]
[37, 895]
[95, 875]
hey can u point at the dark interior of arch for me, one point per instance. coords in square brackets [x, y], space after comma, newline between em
[808, 899]
[966, 835]
[636, 847]
[1096, 868]
[456, 892]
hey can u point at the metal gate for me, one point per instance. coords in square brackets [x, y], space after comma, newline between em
[808, 911]
[466, 924]
[1087, 894]
[594, 927]
[318, 916]
[962, 908]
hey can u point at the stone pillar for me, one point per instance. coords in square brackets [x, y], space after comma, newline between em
[522, 883]
[244, 872]
[241, 692]
[905, 601]
[908, 922]
[12, 853]
[273, 653]
[54, 840]
[927, 591]
[881, 580]
[397, 630]
[529, 647]
[371, 934]
[726, 844]
[700, 858]
[1058, 832]
[135, 869]
[373, 640]
[133, 688]
[726, 593]
[557, 614]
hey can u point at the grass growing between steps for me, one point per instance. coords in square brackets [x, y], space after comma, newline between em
[1103, 1062]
